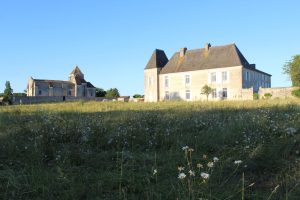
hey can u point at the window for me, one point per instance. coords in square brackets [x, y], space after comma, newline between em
[69, 92]
[224, 76]
[214, 93]
[187, 94]
[247, 76]
[224, 93]
[187, 80]
[166, 81]
[40, 92]
[167, 95]
[213, 77]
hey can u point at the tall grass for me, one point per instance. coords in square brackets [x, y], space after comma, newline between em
[113, 150]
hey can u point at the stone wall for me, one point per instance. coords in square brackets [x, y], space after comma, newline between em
[45, 99]
[278, 92]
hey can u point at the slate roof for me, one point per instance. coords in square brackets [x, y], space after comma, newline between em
[157, 60]
[199, 59]
[79, 81]
[52, 81]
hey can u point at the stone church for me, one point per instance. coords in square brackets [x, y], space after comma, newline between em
[76, 86]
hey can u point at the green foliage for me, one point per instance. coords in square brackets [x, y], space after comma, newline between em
[20, 94]
[100, 92]
[8, 93]
[112, 150]
[296, 93]
[206, 90]
[292, 69]
[112, 93]
[267, 95]
[138, 96]
[255, 96]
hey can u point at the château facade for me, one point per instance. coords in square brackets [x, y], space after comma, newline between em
[76, 86]
[223, 68]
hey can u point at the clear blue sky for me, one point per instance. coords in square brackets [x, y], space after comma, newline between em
[111, 41]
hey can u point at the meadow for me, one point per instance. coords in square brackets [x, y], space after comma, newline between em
[167, 150]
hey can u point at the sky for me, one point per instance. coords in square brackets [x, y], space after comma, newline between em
[112, 41]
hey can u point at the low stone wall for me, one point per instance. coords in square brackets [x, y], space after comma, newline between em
[278, 92]
[44, 99]
[247, 94]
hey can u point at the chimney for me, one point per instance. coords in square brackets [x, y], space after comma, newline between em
[207, 46]
[182, 51]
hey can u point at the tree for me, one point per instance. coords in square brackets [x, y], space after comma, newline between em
[112, 93]
[206, 90]
[8, 93]
[100, 92]
[292, 69]
[137, 96]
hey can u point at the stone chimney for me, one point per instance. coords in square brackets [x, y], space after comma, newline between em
[182, 51]
[207, 46]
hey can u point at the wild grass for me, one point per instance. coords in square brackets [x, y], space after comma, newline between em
[113, 150]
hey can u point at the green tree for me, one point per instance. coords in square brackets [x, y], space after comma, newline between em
[206, 90]
[292, 69]
[8, 93]
[112, 93]
[100, 92]
[137, 96]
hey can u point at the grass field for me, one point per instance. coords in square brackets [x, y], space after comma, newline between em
[169, 150]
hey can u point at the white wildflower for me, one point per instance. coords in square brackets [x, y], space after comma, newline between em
[216, 159]
[154, 171]
[199, 165]
[291, 131]
[190, 149]
[237, 162]
[192, 173]
[204, 175]
[210, 164]
[185, 148]
[181, 176]
[180, 168]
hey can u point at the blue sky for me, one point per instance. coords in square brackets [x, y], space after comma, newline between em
[112, 41]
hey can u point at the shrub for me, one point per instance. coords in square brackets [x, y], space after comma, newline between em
[255, 96]
[267, 95]
[296, 93]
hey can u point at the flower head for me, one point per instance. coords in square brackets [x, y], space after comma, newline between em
[181, 176]
[199, 165]
[185, 148]
[237, 162]
[154, 171]
[216, 159]
[204, 175]
[180, 168]
[192, 173]
[210, 164]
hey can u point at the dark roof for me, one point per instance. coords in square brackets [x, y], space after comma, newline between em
[76, 70]
[52, 81]
[78, 82]
[157, 60]
[90, 85]
[199, 59]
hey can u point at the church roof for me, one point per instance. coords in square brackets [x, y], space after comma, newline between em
[199, 59]
[79, 81]
[76, 70]
[157, 60]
